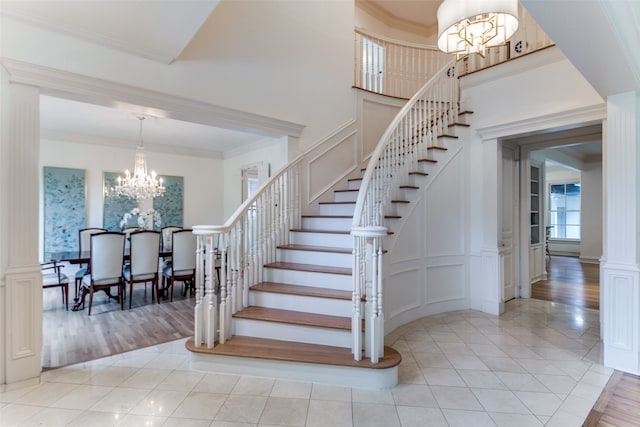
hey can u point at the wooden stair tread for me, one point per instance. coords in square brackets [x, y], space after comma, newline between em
[354, 179]
[418, 173]
[445, 135]
[427, 160]
[310, 268]
[306, 230]
[264, 348]
[409, 187]
[400, 201]
[315, 249]
[310, 291]
[437, 148]
[392, 217]
[461, 113]
[346, 191]
[459, 124]
[294, 317]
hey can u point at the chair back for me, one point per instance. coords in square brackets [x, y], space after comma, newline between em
[183, 250]
[167, 233]
[107, 256]
[145, 250]
[84, 237]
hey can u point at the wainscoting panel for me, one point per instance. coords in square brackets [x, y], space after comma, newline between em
[327, 168]
[445, 211]
[377, 114]
[445, 283]
[406, 292]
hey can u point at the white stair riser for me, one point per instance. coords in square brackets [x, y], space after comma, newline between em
[345, 196]
[354, 185]
[321, 239]
[337, 209]
[317, 258]
[320, 223]
[290, 332]
[308, 304]
[308, 278]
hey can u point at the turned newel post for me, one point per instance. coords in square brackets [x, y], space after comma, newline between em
[19, 267]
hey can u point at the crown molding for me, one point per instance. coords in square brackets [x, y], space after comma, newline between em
[82, 88]
[77, 138]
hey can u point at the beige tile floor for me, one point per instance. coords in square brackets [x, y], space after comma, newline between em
[538, 364]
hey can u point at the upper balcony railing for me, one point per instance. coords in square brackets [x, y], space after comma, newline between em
[399, 69]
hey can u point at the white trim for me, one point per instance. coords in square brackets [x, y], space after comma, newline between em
[102, 92]
[557, 121]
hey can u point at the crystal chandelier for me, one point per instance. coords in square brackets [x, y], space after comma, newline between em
[468, 26]
[140, 185]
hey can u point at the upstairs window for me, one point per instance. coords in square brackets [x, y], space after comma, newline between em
[564, 210]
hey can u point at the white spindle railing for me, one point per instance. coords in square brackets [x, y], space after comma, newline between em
[399, 69]
[392, 67]
[239, 249]
[412, 132]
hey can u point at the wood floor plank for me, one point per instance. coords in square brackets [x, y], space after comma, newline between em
[569, 282]
[73, 337]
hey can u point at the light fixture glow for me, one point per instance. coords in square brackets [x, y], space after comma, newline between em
[468, 26]
[140, 185]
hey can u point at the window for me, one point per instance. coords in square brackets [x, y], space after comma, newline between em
[564, 210]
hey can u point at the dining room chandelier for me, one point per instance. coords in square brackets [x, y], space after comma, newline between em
[140, 185]
[468, 26]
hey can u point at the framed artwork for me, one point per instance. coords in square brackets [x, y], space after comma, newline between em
[170, 205]
[114, 207]
[64, 204]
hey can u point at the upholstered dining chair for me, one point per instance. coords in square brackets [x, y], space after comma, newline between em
[105, 266]
[53, 277]
[167, 233]
[143, 264]
[84, 237]
[183, 266]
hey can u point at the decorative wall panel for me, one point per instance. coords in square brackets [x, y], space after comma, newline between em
[405, 294]
[64, 199]
[114, 207]
[170, 206]
[445, 283]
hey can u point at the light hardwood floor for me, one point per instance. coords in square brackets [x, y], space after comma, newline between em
[73, 337]
[570, 282]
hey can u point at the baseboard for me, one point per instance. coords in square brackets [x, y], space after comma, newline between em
[588, 260]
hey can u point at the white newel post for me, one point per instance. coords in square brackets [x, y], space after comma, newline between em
[205, 311]
[19, 265]
[367, 279]
[620, 276]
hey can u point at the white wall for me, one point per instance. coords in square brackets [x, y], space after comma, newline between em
[203, 177]
[290, 60]
[591, 209]
[269, 153]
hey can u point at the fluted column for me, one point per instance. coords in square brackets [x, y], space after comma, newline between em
[20, 150]
[620, 290]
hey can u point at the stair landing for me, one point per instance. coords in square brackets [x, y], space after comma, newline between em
[296, 361]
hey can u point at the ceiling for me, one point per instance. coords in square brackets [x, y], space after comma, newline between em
[158, 33]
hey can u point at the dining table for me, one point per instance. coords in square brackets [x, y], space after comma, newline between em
[84, 257]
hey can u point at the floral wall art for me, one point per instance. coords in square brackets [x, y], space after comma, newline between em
[64, 204]
[114, 207]
[170, 205]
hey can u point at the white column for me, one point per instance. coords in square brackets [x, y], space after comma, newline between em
[19, 195]
[620, 296]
